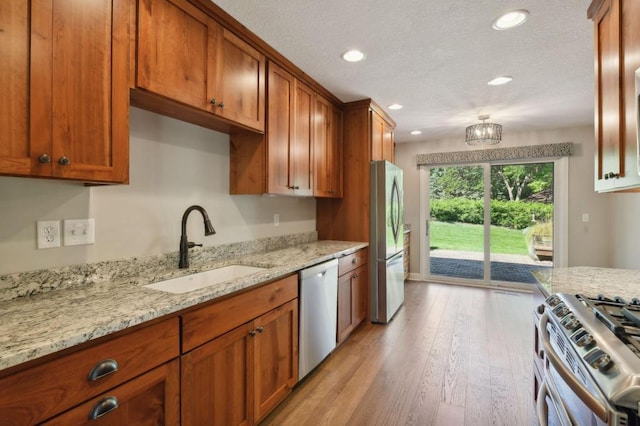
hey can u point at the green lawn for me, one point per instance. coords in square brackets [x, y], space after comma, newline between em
[466, 237]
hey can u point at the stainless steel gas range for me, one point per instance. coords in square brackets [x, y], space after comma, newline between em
[587, 363]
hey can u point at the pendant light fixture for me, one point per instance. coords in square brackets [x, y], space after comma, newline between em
[484, 133]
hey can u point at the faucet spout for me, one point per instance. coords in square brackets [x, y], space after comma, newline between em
[185, 244]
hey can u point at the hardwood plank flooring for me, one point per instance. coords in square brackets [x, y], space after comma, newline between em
[453, 355]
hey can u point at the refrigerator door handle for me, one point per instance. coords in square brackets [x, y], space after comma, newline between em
[395, 210]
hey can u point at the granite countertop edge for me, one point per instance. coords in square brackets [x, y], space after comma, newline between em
[590, 281]
[39, 325]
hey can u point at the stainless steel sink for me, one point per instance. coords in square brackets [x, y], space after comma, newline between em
[200, 280]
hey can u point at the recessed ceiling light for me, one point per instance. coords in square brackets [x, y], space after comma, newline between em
[395, 106]
[500, 80]
[510, 20]
[416, 132]
[353, 56]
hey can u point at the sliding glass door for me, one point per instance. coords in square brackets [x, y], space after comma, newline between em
[489, 223]
[521, 220]
[456, 231]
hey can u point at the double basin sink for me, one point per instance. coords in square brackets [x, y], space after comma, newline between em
[204, 279]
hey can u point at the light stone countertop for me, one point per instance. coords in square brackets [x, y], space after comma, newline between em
[590, 281]
[44, 323]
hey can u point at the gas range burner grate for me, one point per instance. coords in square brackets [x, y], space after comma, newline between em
[620, 317]
[632, 313]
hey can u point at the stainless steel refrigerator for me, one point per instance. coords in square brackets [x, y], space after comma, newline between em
[386, 249]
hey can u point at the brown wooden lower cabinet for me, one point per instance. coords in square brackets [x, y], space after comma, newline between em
[150, 399]
[352, 301]
[239, 377]
[353, 292]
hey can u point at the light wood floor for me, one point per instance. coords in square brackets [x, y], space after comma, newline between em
[453, 355]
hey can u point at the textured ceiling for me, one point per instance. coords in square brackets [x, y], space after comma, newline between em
[436, 57]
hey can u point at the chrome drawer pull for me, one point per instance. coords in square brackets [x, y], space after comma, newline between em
[103, 368]
[102, 407]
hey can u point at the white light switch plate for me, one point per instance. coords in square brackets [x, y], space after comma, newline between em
[48, 233]
[79, 232]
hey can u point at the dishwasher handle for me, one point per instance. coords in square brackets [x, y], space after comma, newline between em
[321, 268]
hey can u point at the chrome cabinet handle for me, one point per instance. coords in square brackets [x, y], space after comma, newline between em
[611, 175]
[64, 161]
[44, 158]
[260, 329]
[252, 333]
[221, 105]
[103, 368]
[212, 101]
[581, 392]
[354, 260]
[102, 407]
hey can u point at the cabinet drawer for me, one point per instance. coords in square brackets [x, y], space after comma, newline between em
[352, 261]
[38, 393]
[207, 323]
[151, 399]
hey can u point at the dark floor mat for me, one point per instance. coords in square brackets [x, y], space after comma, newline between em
[473, 269]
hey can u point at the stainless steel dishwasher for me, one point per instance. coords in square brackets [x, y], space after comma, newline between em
[318, 314]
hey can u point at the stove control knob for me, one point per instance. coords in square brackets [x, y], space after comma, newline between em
[553, 301]
[541, 309]
[602, 362]
[571, 323]
[561, 310]
[586, 341]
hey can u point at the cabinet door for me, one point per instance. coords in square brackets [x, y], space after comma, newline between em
[327, 170]
[239, 83]
[150, 399]
[89, 84]
[359, 295]
[353, 296]
[377, 137]
[216, 380]
[631, 61]
[275, 357]
[176, 47]
[65, 76]
[345, 306]
[15, 143]
[279, 124]
[388, 143]
[610, 145]
[300, 168]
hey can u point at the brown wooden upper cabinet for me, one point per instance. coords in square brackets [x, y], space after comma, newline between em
[381, 138]
[64, 76]
[617, 57]
[289, 134]
[367, 136]
[186, 56]
[327, 149]
[300, 153]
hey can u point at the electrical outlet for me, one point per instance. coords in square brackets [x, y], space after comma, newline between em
[276, 219]
[48, 233]
[79, 232]
[585, 217]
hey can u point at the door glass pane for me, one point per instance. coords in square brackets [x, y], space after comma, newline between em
[521, 238]
[456, 234]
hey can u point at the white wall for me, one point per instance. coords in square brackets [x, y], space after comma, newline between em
[589, 243]
[173, 165]
[625, 233]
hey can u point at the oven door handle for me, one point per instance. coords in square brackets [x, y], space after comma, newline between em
[541, 404]
[580, 390]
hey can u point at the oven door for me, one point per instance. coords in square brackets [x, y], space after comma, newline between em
[567, 395]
